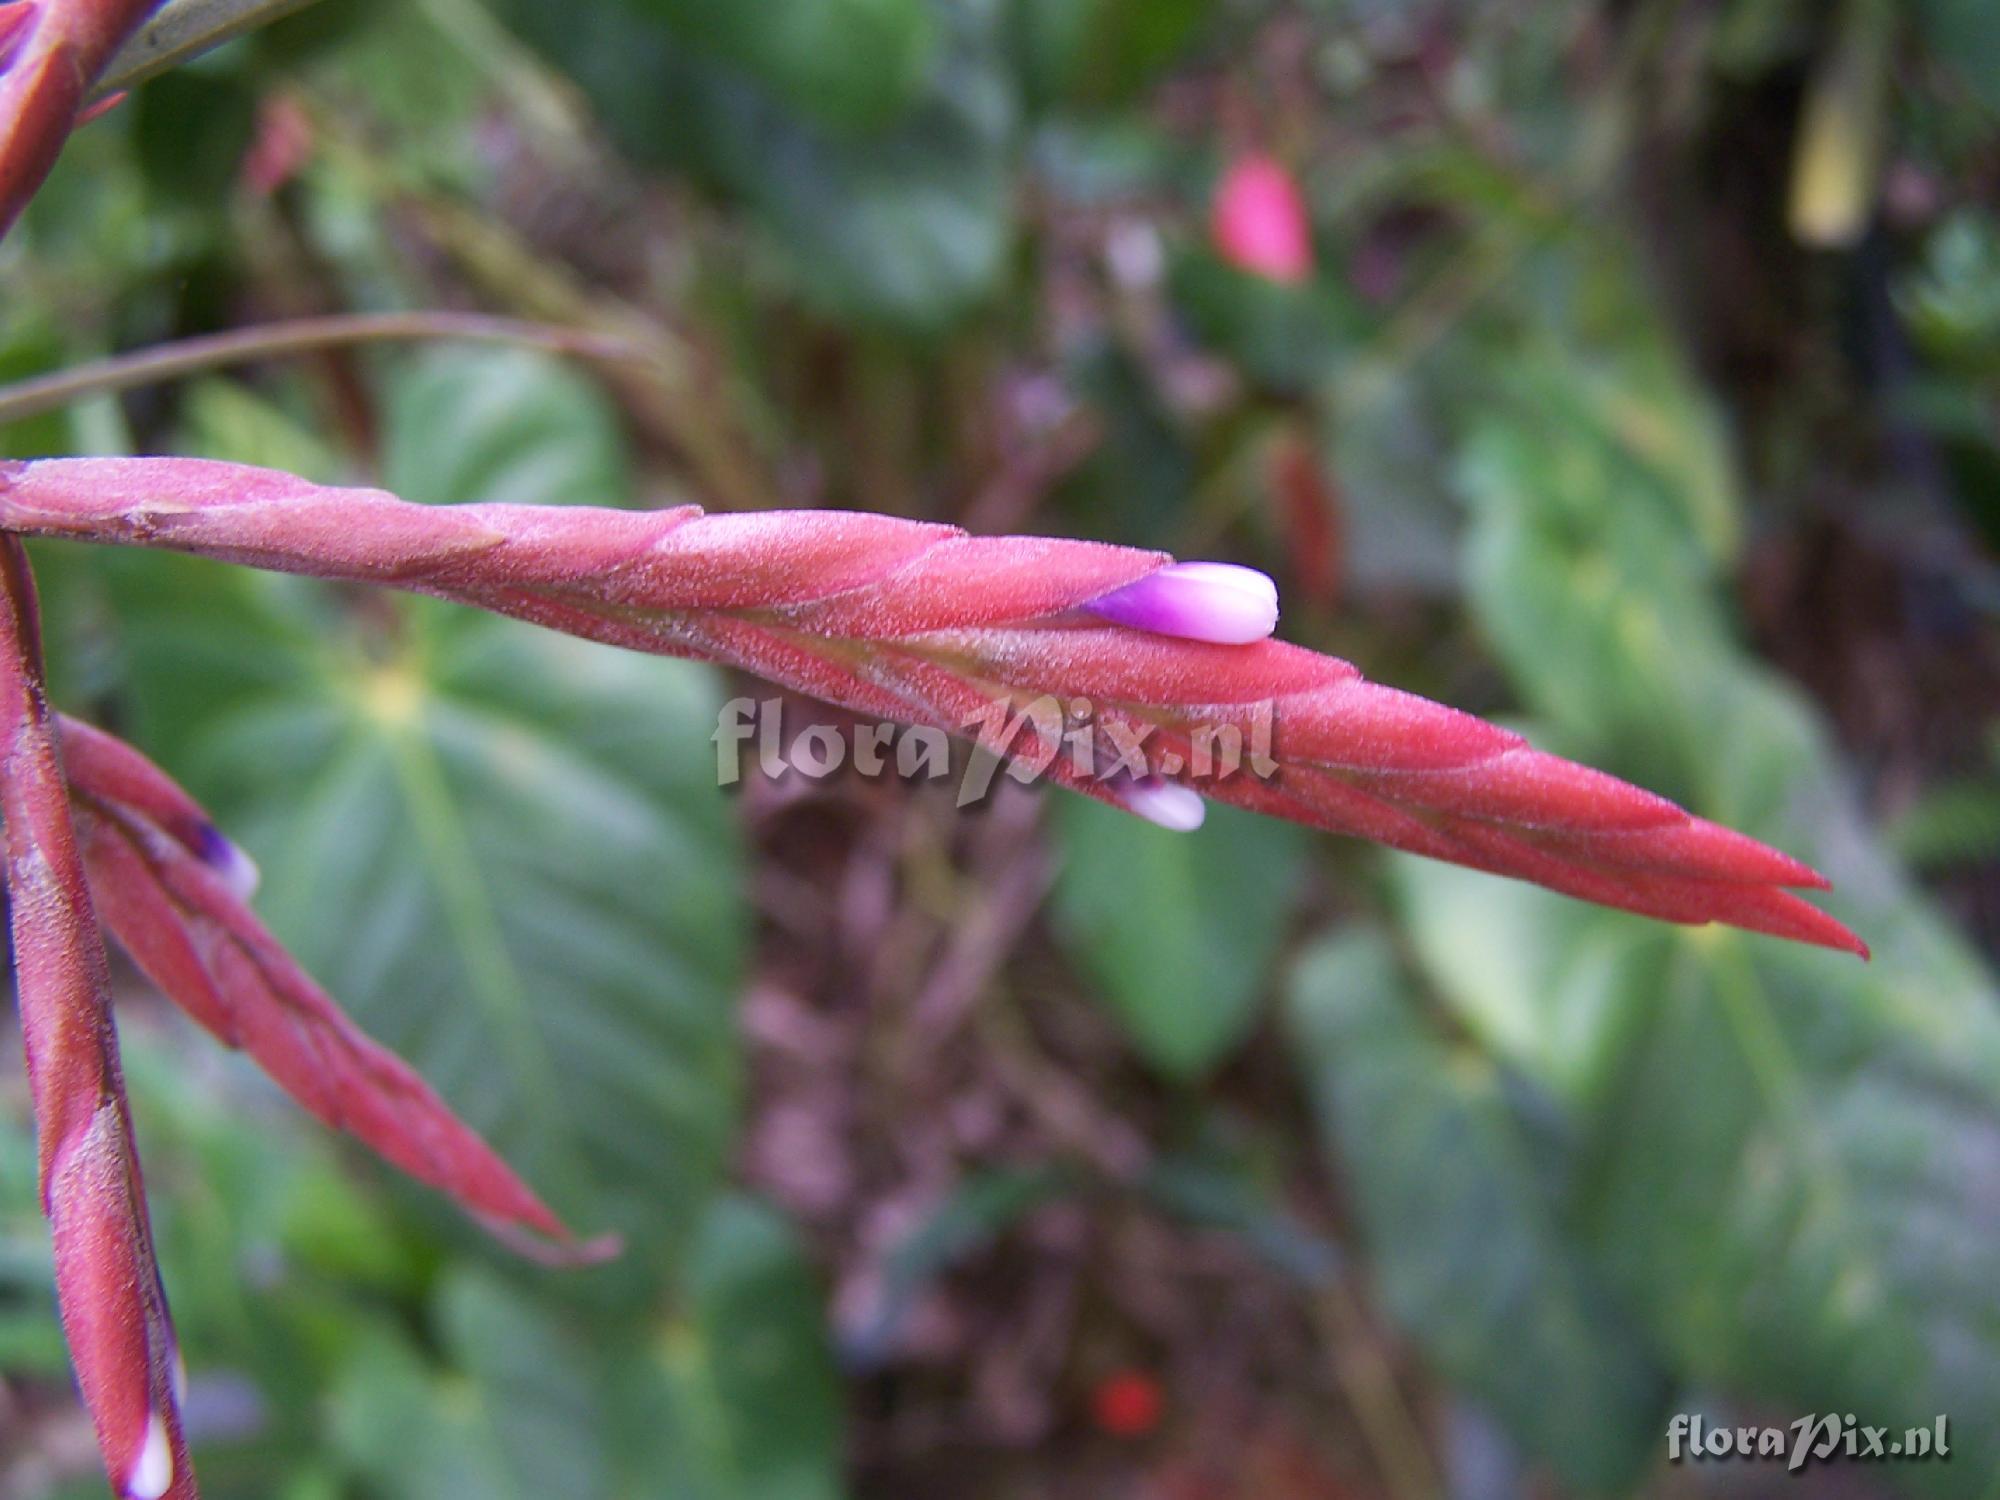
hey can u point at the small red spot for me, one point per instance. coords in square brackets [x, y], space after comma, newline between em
[1127, 1404]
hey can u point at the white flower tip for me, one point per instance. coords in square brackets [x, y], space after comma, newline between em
[1166, 803]
[1221, 603]
[153, 1469]
[1241, 603]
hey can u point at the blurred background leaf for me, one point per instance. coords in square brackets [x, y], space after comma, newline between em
[1179, 929]
[1461, 1208]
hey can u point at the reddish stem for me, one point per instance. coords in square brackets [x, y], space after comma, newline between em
[113, 1308]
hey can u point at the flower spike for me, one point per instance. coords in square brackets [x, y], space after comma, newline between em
[921, 623]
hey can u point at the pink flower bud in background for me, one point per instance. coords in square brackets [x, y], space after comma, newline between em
[1200, 601]
[281, 147]
[1258, 221]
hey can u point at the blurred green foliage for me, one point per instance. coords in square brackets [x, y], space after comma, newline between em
[1570, 377]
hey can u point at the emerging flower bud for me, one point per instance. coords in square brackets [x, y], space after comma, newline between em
[1217, 602]
[238, 870]
[1259, 222]
[1166, 803]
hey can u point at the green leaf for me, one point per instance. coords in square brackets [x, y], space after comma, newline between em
[226, 419]
[906, 227]
[1179, 928]
[1100, 51]
[1601, 610]
[1472, 1250]
[1959, 34]
[193, 127]
[1786, 1146]
[507, 426]
[1552, 986]
[514, 1412]
[31, 345]
[1951, 303]
[1289, 338]
[739, 1400]
[537, 1390]
[850, 64]
[1797, 1183]
[409, 69]
[1957, 823]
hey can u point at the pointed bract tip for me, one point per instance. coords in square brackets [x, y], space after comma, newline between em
[555, 1250]
[1220, 603]
[153, 1470]
[100, 108]
[1164, 802]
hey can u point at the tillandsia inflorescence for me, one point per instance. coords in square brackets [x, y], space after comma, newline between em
[922, 623]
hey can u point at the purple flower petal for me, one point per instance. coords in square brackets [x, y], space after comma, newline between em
[238, 870]
[1201, 601]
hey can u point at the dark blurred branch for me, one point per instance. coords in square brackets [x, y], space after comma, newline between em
[161, 362]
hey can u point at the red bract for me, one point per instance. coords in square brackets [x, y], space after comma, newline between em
[114, 1311]
[51, 51]
[1259, 222]
[168, 887]
[921, 623]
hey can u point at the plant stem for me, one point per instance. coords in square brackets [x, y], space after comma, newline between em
[107, 1282]
[171, 361]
